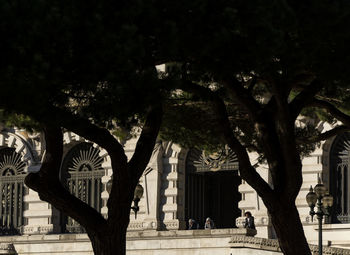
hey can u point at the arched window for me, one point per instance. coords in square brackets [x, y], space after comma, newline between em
[11, 188]
[340, 178]
[82, 171]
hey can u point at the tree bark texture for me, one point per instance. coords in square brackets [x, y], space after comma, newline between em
[275, 132]
[109, 244]
[289, 230]
[113, 239]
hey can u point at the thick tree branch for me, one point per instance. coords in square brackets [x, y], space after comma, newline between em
[46, 182]
[86, 129]
[252, 82]
[265, 126]
[243, 97]
[91, 132]
[124, 182]
[247, 171]
[81, 126]
[208, 95]
[332, 110]
[305, 97]
[323, 136]
[146, 142]
[287, 159]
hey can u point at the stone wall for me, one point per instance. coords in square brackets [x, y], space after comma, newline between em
[151, 242]
[173, 242]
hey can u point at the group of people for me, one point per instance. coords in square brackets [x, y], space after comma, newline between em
[209, 223]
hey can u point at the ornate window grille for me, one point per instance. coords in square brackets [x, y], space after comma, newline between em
[11, 190]
[82, 169]
[340, 178]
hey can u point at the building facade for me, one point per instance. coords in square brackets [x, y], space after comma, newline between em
[178, 183]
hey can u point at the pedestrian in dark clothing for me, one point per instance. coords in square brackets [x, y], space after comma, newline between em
[249, 221]
[192, 224]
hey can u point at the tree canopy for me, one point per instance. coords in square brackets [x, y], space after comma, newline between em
[238, 73]
[262, 76]
[81, 67]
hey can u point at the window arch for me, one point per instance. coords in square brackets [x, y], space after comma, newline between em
[82, 172]
[340, 178]
[12, 173]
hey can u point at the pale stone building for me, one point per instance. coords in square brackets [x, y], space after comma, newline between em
[178, 184]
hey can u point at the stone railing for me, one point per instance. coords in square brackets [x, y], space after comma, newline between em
[7, 248]
[329, 250]
[255, 243]
[344, 218]
[187, 241]
[272, 245]
[188, 233]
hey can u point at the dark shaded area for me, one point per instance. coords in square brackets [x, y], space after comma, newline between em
[9, 231]
[212, 194]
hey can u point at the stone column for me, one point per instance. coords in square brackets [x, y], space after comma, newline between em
[172, 208]
[40, 218]
[108, 173]
[148, 217]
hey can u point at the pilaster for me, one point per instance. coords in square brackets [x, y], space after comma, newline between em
[173, 188]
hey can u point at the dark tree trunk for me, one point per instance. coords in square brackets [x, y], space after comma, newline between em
[289, 230]
[107, 236]
[109, 244]
[112, 239]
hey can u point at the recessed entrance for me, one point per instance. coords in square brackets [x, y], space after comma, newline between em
[212, 188]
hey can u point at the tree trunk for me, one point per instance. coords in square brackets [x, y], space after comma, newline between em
[111, 241]
[109, 244]
[289, 230]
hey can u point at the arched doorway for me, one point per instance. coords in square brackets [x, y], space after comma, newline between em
[82, 172]
[340, 178]
[211, 187]
[11, 188]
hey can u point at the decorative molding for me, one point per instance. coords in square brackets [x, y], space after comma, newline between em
[259, 221]
[272, 245]
[202, 161]
[135, 226]
[7, 248]
[84, 159]
[21, 146]
[255, 242]
[41, 229]
[143, 225]
[173, 224]
[11, 163]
